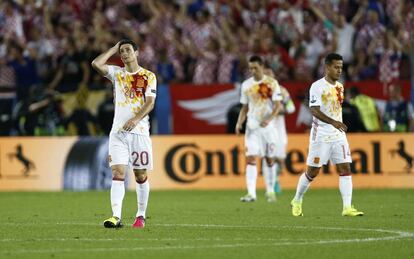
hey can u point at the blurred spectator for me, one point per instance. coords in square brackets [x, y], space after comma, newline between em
[390, 58]
[40, 114]
[372, 30]
[367, 110]
[202, 41]
[399, 114]
[351, 116]
[24, 70]
[73, 69]
[11, 21]
[165, 69]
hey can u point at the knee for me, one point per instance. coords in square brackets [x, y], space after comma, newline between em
[140, 177]
[344, 170]
[251, 160]
[118, 173]
[270, 161]
[312, 172]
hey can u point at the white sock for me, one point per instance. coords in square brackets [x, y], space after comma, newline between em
[117, 196]
[251, 176]
[142, 190]
[269, 174]
[303, 185]
[345, 187]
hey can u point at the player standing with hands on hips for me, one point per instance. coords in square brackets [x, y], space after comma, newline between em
[327, 137]
[129, 140]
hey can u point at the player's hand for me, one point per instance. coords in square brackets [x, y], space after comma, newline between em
[238, 128]
[130, 124]
[340, 126]
[264, 123]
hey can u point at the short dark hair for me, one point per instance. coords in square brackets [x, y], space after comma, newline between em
[257, 59]
[127, 41]
[331, 57]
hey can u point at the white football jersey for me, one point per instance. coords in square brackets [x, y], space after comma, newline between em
[259, 95]
[130, 91]
[329, 98]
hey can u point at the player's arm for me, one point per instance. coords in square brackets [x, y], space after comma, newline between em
[146, 108]
[99, 63]
[277, 100]
[316, 111]
[275, 112]
[241, 118]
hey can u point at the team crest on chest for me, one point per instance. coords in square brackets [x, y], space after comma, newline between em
[134, 86]
[264, 91]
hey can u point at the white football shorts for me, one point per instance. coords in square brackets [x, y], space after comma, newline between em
[281, 150]
[130, 149]
[261, 141]
[320, 152]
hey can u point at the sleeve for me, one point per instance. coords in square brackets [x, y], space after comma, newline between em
[288, 103]
[111, 73]
[152, 86]
[314, 96]
[277, 93]
[243, 96]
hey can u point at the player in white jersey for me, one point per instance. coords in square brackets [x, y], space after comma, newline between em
[287, 107]
[129, 141]
[327, 137]
[260, 97]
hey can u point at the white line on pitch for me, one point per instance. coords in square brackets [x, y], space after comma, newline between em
[397, 235]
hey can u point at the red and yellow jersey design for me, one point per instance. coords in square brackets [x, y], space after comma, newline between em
[329, 98]
[130, 93]
[259, 96]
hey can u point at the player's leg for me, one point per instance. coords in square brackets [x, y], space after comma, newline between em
[303, 185]
[269, 139]
[318, 155]
[142, 190]
[118, 160]
[251, 179]
[117, 195]
[142, 162]
[279, 163]
[252, 144]
[269, 174]
[342, 158]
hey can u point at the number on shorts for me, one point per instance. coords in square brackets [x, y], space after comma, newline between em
[270, 148]
[143, 158]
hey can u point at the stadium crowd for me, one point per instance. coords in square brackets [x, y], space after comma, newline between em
[46, 46]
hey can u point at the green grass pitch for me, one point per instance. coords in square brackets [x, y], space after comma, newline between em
[207, 224]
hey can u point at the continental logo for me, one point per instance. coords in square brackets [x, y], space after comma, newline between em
[189, 162]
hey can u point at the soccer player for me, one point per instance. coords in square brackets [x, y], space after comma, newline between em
[260, 99]
[327, 136]
[129, 141]
[287, 106]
